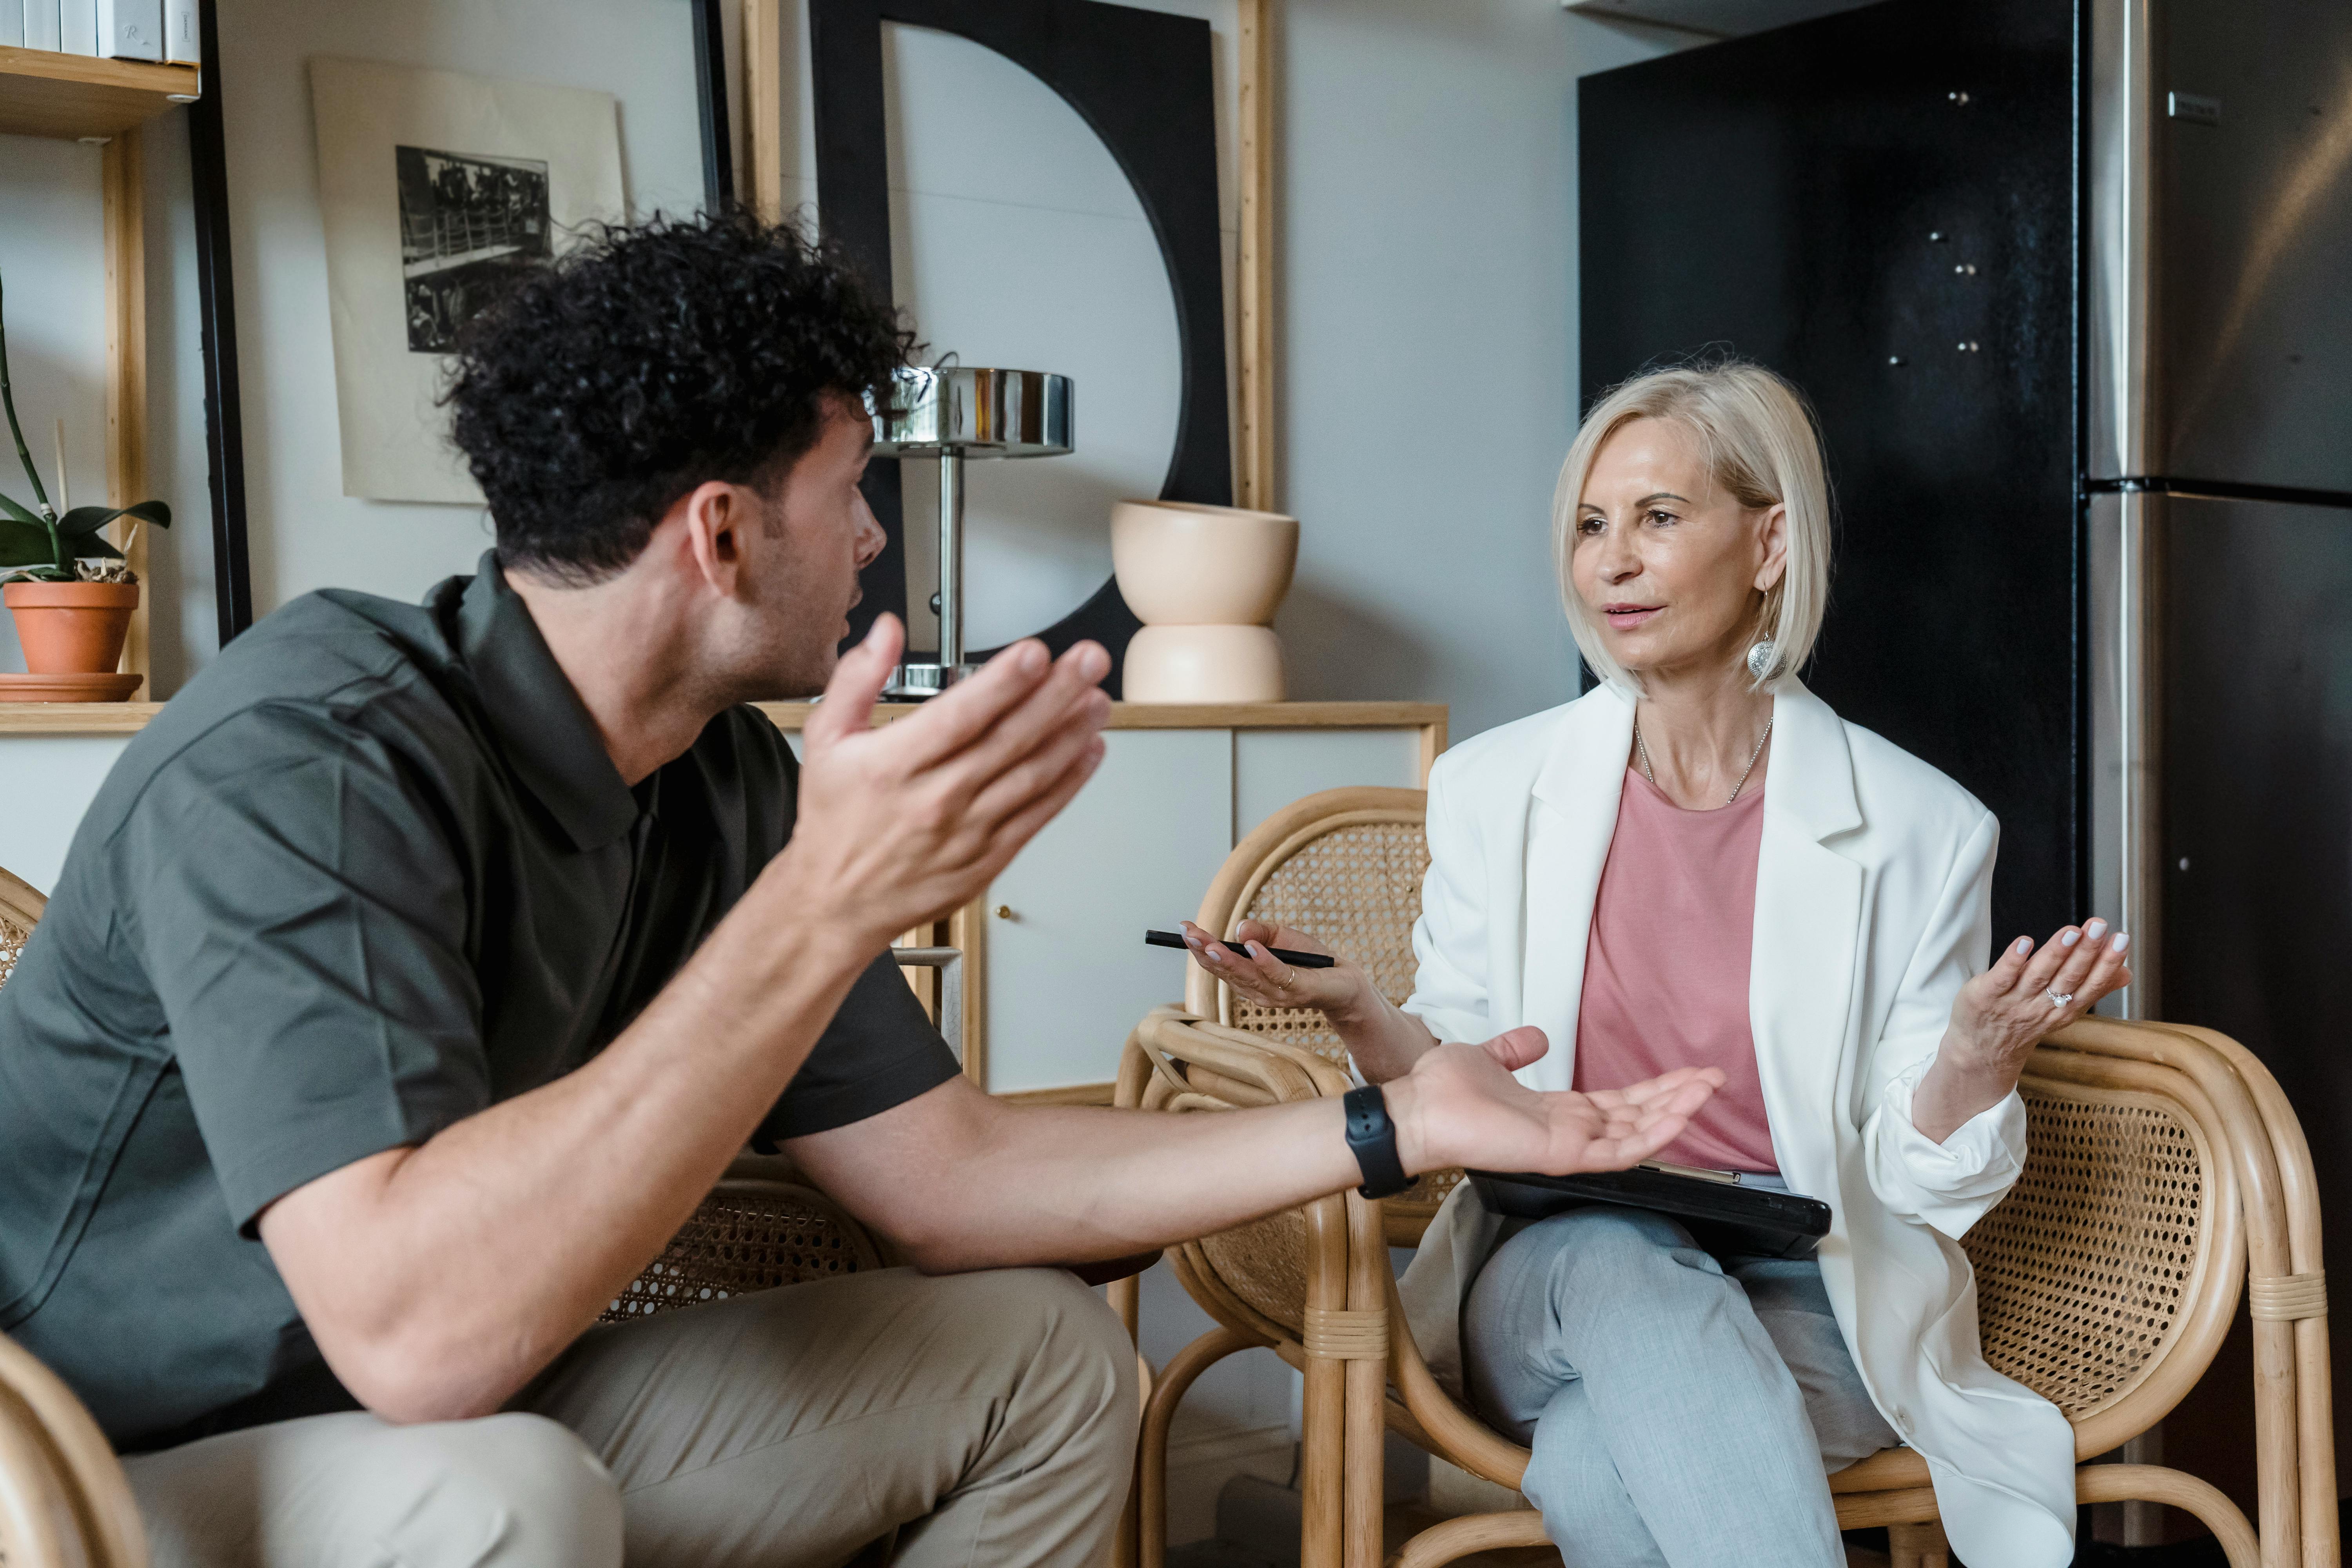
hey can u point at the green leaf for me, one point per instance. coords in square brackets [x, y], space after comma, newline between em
[85, 520]
[23, 544]
[93, 549]
[19, 514]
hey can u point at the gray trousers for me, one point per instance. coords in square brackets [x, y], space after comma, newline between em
[981, 1418]
[1684, 1409]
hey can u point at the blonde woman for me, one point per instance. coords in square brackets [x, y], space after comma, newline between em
[1698, 864]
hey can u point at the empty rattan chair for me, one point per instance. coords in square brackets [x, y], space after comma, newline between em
[2167, 1175]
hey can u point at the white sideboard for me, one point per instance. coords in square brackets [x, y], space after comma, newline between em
[1054, 969]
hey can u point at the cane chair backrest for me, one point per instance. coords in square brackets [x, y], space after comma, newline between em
[1344, 865]
[757, 1229]
[20, 908]
[2088, 1272]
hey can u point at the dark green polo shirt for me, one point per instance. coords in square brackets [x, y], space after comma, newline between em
[370, 873]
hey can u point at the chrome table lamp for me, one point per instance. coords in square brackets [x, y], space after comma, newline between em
[952, 413]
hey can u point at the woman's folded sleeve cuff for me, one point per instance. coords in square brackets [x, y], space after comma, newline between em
[1951, 1184]
[1449, 1022]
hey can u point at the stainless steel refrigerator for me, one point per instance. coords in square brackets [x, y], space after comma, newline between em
[2070, 285]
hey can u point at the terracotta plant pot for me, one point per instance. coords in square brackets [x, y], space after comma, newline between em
[71, 628]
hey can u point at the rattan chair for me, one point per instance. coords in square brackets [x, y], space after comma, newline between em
[2167, 1175]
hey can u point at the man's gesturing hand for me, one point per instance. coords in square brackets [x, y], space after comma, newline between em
[900, 824]
[1461, 1106]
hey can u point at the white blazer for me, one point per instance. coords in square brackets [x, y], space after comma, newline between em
[1872, 907]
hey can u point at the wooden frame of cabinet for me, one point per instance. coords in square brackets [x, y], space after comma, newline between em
[85, 99]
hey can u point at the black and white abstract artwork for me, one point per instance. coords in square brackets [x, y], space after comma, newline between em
[466, 221]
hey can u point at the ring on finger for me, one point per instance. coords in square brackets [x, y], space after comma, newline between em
[2058, 999]
[1283, 983]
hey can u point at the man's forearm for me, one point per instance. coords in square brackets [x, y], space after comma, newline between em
[987, 1184]
[439, 1279]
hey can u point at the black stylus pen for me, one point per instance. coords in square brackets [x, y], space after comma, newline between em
[1291, 956]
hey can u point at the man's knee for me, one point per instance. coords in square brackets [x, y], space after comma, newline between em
[533, 1488]
[505, 1491]
[1071, 1355]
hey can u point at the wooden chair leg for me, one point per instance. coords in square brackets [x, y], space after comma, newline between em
[1150, 1492]
[1919, 1545]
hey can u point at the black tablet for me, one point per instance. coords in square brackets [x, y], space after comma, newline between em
[1722, 1215]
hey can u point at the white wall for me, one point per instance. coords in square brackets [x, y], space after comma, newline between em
[53, 266]
[1428, 310]
[305, 533]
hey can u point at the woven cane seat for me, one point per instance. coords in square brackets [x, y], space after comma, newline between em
[747, 1235]
[2083, 1270]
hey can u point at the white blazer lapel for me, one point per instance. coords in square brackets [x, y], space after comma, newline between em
[1808, 927]
[1569, 830]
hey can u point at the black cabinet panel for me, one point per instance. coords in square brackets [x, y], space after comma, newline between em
[2257, 800]
[1822, 199]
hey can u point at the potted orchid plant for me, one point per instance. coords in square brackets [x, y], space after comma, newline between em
[68, 588]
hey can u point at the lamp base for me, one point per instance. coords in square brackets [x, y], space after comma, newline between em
[914, 682]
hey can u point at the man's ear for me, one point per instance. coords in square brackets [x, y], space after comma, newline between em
[719, 517]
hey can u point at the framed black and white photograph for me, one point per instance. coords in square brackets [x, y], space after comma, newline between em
[466, 221]
[436, 188]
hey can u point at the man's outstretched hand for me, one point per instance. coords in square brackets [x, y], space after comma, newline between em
[1461, 1106]
[898, 824]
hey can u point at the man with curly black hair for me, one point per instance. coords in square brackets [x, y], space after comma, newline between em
[419, 969]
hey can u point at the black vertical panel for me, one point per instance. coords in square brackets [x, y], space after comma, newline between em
[216, 296]
[1776, 196]
[2256, 736]
[1144, 82]
[718, 137]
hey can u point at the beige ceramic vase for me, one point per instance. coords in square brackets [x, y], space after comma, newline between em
[1205, 582]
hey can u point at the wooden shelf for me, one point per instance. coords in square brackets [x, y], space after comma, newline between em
[1199, 715]
[77, 96]
[76, 718]
[129, 718]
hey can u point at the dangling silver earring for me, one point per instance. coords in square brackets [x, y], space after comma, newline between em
[1760, 655]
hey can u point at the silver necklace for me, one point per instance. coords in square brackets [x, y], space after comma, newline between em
[1643, 753]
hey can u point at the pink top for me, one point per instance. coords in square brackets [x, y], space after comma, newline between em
[1665, 976]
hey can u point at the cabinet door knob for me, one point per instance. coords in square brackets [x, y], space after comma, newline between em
[1004, 911]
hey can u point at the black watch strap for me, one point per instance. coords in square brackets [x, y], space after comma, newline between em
[1373, 1136]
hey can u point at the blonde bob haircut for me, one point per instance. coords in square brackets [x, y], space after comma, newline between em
[1757, 439]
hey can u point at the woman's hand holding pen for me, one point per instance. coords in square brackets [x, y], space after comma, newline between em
[2001, 1015]
[1247, 965]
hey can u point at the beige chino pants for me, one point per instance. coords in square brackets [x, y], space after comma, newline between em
[983, 1418]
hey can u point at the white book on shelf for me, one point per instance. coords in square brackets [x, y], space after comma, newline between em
[12, 25]
[78, 26]
[41, 25]
[183, 45]
[130, 29]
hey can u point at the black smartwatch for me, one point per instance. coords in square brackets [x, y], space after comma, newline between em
[1373, 1136]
